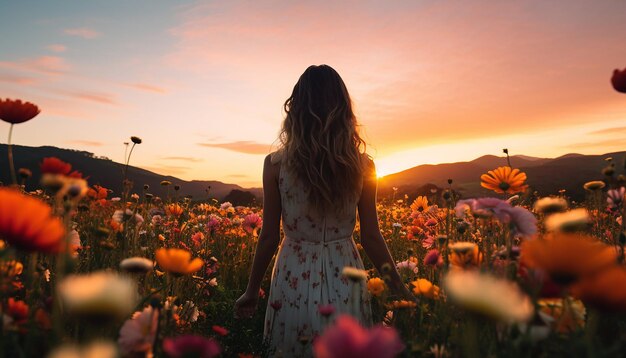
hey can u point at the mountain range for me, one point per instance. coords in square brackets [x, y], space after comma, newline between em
[109, 174]
[545, 175]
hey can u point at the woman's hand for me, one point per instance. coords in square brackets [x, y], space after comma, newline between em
[246, 305]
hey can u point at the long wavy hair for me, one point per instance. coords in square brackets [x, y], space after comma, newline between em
[320, 140]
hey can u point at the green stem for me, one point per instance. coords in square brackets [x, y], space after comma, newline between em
[10, 152]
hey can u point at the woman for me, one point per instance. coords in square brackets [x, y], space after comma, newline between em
[316, 182]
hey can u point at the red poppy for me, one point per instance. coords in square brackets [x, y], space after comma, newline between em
[619, 80]
[220, 330]
[16, 111]
[52, 165]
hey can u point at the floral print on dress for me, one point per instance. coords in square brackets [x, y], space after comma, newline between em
[307, 272]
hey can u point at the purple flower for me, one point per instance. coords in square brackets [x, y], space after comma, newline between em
[522, 221]
[347, 338]
[191, 346]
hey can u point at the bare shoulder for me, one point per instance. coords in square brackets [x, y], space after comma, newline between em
[368, 165]
[271, 165]
[275, 157]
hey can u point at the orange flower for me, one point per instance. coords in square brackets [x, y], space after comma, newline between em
[420, 204]
[27, 223]
[464, 255]
[401, 304]
[174, 210]
[424, 287]
[376, 286]
[504, 180]
[606, 290]
[567, 257]
[568, 314]
[177, 261]
[16, 111]
[98, 192]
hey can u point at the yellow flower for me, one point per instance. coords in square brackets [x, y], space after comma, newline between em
[178, 261]
[376, 286]
[464, 255]
[504, 180]
[424, 287]
[420, 204]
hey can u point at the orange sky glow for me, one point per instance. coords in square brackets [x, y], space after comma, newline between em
[203, 83]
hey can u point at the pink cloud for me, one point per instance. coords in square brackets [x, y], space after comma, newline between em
[102, 98]
[19, 80]
[246, 147]
[146, 87]
[51, 65]
[83, 32]
[56, 48]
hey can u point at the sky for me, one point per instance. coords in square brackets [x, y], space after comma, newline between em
[203, 82]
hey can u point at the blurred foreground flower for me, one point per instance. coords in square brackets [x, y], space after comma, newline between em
[16, 111]
[136, 265]
[354, 273]
[567, 257]
[570, 221]
[605, 290]
[618, 80]
[138, 333]
[483, 293]
[178, 261]
[346, 338]
[549, 205]
[97, 349]
[27, 223]
[98, 295]
[504, 180]
[191, 346]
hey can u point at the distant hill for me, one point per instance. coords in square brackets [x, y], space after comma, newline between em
[107, 173]
[546, 176]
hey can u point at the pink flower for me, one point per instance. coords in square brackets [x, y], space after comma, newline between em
[252, 223]
[428, 242]
[433, 258]
[522, 221]
[346, 338]
[138, 333]
[220, 330]
[191, 346]
[615, 197]
[326, 310]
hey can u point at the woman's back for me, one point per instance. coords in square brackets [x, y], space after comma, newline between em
[300, 221]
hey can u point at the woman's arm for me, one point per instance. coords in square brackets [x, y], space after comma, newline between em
[371, 238]
[268, 240]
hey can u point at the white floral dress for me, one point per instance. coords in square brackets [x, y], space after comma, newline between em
[307, 272]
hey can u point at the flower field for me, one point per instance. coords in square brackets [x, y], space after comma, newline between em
[86, 272]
